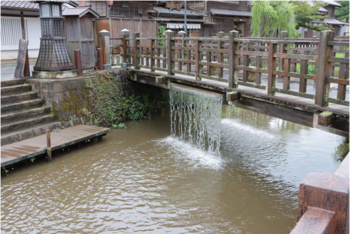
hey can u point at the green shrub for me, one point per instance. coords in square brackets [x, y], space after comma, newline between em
[106, 100]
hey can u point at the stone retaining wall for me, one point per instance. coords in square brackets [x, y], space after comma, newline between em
[69, 97]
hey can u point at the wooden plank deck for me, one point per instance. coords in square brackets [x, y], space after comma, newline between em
[32, 147]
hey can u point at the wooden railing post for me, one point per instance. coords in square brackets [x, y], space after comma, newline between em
[170, 53]
[232, 60]
[125, 34]
[220, 57]
[283, 36]
[323, 67]
[198, 59]
[99, 59]
[77, 59]
[271, 79]
[136, 50]
[152, 52]
[104, 44]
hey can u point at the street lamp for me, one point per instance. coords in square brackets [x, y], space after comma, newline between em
[53, 53]
[185, 16]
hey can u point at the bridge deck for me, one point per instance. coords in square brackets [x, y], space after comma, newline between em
[32, 147]
[255, 92]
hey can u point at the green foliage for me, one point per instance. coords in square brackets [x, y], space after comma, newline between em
[161, 30]
[32, 159]
[105, 97]
[342, 13]
[269, 16]
[56, 130]
[135, 109]
[120, 126]
[306, 14]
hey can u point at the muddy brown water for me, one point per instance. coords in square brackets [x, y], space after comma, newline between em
[141, 180]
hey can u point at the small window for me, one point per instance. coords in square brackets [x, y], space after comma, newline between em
[125, 4]
[140, 10]
[45, 10]
[56, 10]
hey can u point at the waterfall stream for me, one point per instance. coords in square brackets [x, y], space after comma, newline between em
[196, 117]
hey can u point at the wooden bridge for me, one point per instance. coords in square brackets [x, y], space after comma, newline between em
[300, 80]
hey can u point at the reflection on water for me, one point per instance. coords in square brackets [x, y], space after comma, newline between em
[141, 179]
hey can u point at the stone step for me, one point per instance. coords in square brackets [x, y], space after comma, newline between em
[24, 114]
[27, 123]
[18, 97]
[11, 82]
[28, 133]
[15, 89]
[21, 105]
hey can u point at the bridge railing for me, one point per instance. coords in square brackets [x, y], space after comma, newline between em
[293, 60]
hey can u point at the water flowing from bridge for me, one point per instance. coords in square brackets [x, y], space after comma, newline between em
[196, 117]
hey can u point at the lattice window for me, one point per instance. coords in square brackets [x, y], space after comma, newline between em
[11, 31]
[57, 29]
[99, 6]
[46, 27]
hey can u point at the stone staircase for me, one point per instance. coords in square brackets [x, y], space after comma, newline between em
[23, 113]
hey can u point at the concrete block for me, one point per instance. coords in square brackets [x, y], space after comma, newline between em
[315, 221]
[325, 118]
[325, 191]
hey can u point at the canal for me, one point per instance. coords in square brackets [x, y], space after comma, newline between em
[142, 179]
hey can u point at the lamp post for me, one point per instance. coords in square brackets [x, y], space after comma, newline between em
[185, 16]
[53, 54]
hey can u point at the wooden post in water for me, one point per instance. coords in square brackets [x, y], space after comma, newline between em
[48, 145]
[323, 67]
[271, 79]
[170, 53]
[77, 59]
[232, 60]
[136, 51]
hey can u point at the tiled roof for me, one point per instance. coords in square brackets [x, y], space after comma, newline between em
[20, 5]
[331, 2]
[31, 5]
[80, 11]
[230, 13]
[333, 21]
[162, 10]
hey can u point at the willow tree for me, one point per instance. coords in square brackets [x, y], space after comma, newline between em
[268, 17]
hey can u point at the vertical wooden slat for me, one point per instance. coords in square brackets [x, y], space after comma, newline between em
[303, 71]
[246, 63]
[341, 87]
[188, 56]
[164, 52]
[322, 87]
[198, 56]
[158, 56]
[136, 50]
[258, 66]
[220, 59]
[286, 79]
[232, 58]
[152, 44]
[48, 145]
[294, 62]
[283, 36]
[272, 67]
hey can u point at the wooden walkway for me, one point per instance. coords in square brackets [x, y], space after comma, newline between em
[32, 147]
